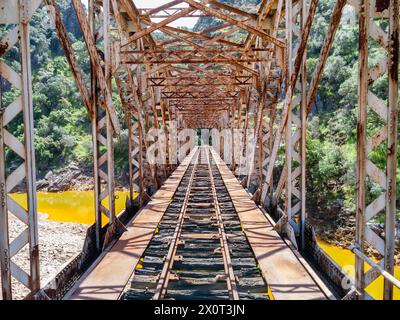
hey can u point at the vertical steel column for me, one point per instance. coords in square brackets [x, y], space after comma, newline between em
[267, 141]
[135, 156]
[29, 236]
[127, 92]
[102, 131]
[125, 80]
[303, 131]
[179, 124]
[167, 166]
[274, 76]
[361, 139]
[130, 158]
[96, 147]
[241, 135]
[296, 16]
[232, 138]
[387, 136]
[392, 114]
[236, 136]
[4, 232]
[109, 127]
[173, 145]
[288, 129]
[30, 168]
[223, 134]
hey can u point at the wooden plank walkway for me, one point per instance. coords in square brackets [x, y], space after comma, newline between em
[287, 277]
[108, 277]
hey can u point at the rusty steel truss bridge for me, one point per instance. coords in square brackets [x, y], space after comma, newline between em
[171, 78]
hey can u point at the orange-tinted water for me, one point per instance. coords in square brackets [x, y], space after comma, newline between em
[71, 206]
[345, 259]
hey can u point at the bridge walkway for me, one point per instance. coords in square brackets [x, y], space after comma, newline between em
[288, 276]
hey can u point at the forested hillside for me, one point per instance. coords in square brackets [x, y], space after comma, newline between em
[62, 129]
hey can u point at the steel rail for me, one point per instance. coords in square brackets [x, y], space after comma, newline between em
[230, 276]
[162, 283]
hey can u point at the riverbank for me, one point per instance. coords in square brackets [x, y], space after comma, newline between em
[58, 243]
[337, 228]
[71, 206]
[63, 220]
[346, 260]
[72, 177]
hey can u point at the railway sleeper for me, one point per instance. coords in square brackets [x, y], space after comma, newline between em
[195, 294]
[252, 285]
[138, 294]
[206, 283]
[253, 296]
[144, 282]
[209, 264]
[246, 271]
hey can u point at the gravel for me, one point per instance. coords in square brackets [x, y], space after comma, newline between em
[58, 243]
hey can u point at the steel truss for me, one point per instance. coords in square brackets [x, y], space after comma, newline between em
[369, 103]
[18, 35]
[295, 134]
[205, 79]
[102, 130]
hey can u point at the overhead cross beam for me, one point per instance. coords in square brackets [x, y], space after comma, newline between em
[194, 61]
[201, 35]
[200, 81]
[156, 26]
[198, 95]
[241, 25]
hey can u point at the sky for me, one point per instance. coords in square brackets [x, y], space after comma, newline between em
[183, 22]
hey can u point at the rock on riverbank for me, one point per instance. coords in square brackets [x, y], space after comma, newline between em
[339, 229]
[71, 177]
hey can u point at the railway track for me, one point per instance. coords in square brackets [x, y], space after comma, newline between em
[199, 250]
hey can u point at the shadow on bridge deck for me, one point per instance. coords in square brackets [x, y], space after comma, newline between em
[287, 275]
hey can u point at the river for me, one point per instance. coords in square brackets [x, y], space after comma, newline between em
[345, 259]
[71, 206]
